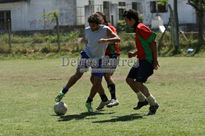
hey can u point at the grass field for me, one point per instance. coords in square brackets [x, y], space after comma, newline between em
[28, 88]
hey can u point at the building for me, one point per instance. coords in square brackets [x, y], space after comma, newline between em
[25, 15]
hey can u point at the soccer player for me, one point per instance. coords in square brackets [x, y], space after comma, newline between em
[98, 36]
[147, 55]
[112, 55]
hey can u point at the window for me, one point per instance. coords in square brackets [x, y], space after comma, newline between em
[153, 8]
[91, 3]
[134, 6]
[106, 9]
[121, 11]
[5, 16]
[122, 4]
[157, 8]
[162, 8]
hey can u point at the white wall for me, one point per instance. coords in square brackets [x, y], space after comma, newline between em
[186, 13]
[99, 7]
[26, 15]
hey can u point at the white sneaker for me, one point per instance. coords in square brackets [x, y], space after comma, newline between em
[102, 104]
[113, 102]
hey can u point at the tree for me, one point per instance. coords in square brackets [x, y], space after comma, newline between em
[199, 6]
[53, 16]
[174, 21]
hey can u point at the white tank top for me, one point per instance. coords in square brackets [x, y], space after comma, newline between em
[94, 49]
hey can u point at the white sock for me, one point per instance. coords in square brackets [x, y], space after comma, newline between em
[140, 96]
[151, 100]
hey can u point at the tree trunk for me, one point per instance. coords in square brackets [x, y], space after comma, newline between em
[199, 7]
[200, 30]
[172, 24]
[58, 33]
[176, 26]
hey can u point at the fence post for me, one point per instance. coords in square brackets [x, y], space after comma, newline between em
[9, 34]
[58, 33]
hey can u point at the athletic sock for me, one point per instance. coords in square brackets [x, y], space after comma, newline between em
[111, 87]
[65, 90]
[151, 100]
[103, 97]
[141, 97]
[89, 100]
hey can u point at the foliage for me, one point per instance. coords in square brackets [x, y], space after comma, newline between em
[72, 43]
[162, 2]
[121, 26]
[50, 15]
[199, 5]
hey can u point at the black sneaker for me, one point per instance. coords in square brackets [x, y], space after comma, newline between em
[153, 109]
[140, 105]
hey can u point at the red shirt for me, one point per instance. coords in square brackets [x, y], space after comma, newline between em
[143, 40]
[112, 48]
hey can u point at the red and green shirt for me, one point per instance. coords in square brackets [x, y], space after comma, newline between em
[143, 40]
[112, 48]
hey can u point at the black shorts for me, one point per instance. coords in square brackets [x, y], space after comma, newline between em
[110, 63]
[140, 72]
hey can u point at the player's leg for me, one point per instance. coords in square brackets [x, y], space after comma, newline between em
[112, 89]
[144, 71]
[151, 100]
[97, 86]
[73, 79]
[112, 65]
[131, 82]
[82, 67]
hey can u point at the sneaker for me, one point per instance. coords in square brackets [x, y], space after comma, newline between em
[102, 104]
[140, 105]
[89, 107]
[153, 109]
[113, 102]
[59, 97]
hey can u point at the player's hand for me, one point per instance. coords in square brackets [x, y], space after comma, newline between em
[130, 54]
[102, 40]
[156, 64]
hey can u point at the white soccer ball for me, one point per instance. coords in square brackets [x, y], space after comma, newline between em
[60, 108]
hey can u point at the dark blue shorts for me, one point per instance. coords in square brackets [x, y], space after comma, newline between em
[140, 72]
[95, 64]
[110, 63]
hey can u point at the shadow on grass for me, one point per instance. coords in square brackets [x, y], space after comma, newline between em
[122, 118]
[81, 116]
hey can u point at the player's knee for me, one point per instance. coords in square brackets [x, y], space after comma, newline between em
[129, 81]
[91, 80]
[139, 84]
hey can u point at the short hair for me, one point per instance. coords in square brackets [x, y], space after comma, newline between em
[94, 18]
[131, 13]
[103, 16]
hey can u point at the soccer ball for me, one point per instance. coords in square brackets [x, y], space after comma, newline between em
[60, 108]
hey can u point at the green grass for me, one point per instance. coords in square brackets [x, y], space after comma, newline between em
[28, 88]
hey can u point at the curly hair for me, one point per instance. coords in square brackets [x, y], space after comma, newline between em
[131, 13]
[94, 18]
[103, 16]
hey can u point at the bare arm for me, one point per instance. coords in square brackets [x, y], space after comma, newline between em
[112, 37]
[155, 56]
[132, 54]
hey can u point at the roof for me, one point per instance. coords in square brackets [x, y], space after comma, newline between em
[9, 1]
